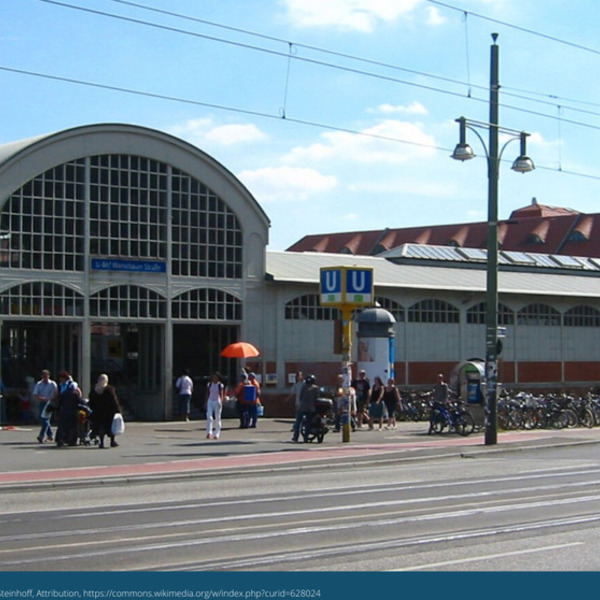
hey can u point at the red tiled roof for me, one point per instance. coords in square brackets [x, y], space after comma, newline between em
[541, 210]
[535, 228]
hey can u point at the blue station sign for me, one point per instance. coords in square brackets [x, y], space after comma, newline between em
[133, 266]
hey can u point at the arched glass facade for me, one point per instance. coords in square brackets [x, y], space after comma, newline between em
[132, 200]
[134, 243]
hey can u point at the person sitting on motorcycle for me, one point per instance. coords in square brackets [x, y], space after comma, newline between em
[306, 405]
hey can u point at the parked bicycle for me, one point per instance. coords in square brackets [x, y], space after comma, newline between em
[452, 416]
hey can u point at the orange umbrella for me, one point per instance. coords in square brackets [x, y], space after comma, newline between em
[240, 350]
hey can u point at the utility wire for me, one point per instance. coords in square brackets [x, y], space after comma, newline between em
[315, 62]
[519, 28]
[304, 122]
[243, 111]
[467, 85]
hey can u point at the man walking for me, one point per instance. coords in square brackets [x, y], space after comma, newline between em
[43, 392]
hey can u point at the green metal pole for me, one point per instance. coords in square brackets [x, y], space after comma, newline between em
[491, 359]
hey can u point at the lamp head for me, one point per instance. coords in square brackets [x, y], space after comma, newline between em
[463, 152]
[523, 164]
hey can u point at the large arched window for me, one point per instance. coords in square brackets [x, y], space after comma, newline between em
[582, 316]
[127, 301]
[42, 225]
[538, 314]
[308, 307]
[477, 315]
[433, 311]
[41, 298]
[207, 304]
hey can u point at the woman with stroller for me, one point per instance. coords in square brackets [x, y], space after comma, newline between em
[67, 401]
[104, 404]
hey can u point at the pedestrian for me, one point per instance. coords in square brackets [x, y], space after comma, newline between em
[441, 392]
[254, 404]
[376, 404]
[104, 404]
[241, 406]
[185, 387]
[306, 406]
[363, 390]
[338, 401]
[352, 407]
[44, 392]
[296, 391]
[67, 400]
[391, 399]
[215, 396]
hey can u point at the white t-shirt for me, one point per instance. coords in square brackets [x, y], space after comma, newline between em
[214, 391]
[185, 385]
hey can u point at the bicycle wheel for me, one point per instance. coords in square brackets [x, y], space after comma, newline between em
[572, 418]
[528, 419]
[587, 418]
[464, 423]
[515, 419]
[503, 421]
[558, 420]
[437, 423]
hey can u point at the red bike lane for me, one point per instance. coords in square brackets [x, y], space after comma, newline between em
[301, 454]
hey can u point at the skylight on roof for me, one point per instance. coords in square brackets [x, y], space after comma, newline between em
[519, 258]
[475, 254]
[569, 262]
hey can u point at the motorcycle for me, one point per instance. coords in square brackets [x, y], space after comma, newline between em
[315, 427]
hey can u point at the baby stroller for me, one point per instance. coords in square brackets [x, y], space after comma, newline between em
[83, 423]
[315, 427]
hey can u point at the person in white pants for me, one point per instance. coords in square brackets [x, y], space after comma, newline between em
[215, 395]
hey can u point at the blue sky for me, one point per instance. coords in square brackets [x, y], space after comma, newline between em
[338, 115]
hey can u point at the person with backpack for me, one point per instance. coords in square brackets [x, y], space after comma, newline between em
[215, 396]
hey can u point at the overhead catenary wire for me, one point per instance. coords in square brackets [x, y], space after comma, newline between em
[260, 114]
[255, 113]
[467, 85]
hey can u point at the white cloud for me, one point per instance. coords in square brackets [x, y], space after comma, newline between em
[414, 108]
[358, 15]
[203, 131]
[376, 145]
[286, 184]
[434, 17]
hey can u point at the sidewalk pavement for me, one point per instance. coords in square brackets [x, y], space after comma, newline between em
[180, 449]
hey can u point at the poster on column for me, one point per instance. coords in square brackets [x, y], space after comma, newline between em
[374, 357]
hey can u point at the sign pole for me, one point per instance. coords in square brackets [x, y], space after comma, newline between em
[346, 369]
[346, 288]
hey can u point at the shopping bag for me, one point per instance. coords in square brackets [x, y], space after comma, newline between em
[118, 425]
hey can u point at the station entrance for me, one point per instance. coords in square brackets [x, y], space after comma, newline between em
[132, 354]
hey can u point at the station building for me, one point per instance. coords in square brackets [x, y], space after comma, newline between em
[127, 251]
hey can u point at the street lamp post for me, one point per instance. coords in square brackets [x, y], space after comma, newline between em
[522, 164]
